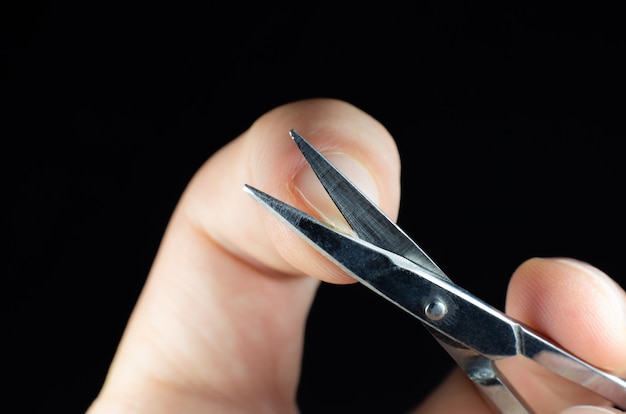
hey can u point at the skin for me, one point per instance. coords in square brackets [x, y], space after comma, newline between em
[219, 324]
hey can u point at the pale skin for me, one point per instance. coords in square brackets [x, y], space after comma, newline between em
[219, 324]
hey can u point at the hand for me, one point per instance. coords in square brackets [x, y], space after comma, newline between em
[219, 324]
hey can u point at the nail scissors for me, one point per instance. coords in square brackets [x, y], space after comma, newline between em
[382, 257]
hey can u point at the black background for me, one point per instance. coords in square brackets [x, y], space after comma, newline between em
[507, 117]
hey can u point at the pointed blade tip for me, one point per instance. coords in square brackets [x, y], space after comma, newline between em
[248, 188]
[254, 193]
[298, 139]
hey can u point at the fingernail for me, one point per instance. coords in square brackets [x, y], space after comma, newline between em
[308, 185]
[587, 409]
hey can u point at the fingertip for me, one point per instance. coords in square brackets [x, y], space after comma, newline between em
[353, 140]
[362, 149]
[266, 158]
[575, 304]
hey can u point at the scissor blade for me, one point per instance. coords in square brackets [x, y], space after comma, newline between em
[366, 219]
[406, 284]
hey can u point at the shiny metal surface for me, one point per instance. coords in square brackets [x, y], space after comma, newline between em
[386, 260]
[363, 216]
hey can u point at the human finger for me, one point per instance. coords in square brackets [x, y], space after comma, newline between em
[580, 308]
[219, 324]
[574, 304]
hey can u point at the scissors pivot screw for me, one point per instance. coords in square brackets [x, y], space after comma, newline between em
[435, 310]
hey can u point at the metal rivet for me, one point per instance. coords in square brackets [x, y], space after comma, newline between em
[435, 310]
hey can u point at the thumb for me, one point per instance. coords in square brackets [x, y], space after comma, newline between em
[219, 324]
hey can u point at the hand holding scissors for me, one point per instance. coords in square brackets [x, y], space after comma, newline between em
[218, 326]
